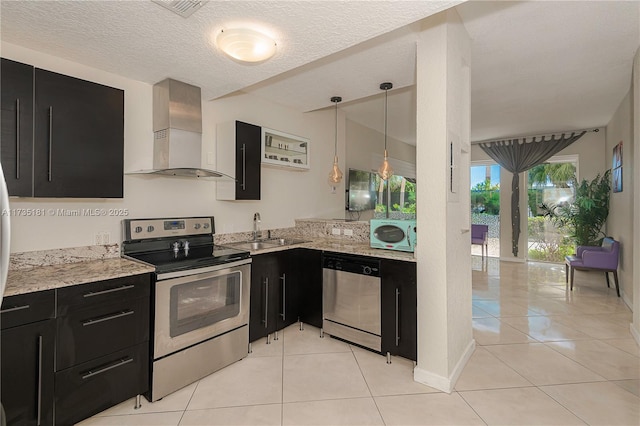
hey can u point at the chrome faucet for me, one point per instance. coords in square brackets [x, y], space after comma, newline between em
[256, 226]
[185, 245]
[176, 248]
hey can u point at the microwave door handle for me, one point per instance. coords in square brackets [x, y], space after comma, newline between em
[409, 236]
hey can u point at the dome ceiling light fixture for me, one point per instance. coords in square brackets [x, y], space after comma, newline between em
[246, 45]
[385, 171]
[335, 175]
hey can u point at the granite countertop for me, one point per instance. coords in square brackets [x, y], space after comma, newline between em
[38, 278]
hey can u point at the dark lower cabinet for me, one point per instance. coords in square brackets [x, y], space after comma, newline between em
[399, 308]
[91, 387]
[27, 373]
[285, 286]
[27, 343]
[308, 277]
[274, 294]
[102, 346]
[264, 296]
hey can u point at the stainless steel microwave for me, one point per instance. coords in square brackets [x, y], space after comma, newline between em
[393, 234]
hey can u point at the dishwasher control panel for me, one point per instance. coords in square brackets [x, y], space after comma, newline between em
[353, 264]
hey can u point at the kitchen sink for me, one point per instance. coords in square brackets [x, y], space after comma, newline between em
[284, 241]
[265, 244]
[253, 245]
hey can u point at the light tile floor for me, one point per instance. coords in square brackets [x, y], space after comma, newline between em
[543, 356]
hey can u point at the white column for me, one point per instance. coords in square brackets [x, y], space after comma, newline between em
[445, 340]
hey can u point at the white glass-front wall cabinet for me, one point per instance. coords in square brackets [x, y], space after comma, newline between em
[284, 150]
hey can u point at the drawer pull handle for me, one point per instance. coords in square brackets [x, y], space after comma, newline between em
[107, 367]
[111, 290]
[15, 308]
[107, 318]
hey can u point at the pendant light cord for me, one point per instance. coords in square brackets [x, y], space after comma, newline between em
[335, 149]
[386, 93]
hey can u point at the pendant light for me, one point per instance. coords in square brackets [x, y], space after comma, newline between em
[385, 171]
[335, 176]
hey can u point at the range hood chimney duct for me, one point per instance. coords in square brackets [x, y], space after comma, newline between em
[177, 131]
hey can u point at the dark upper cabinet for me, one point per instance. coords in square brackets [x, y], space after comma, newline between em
[77, 145]
[248, 153]
[239, 153]
[79, 138]
[27, 356]
[16, 143]
[399, 308]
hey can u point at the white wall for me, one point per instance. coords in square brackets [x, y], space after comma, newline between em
[445, 340]
[620, 221]
[286, 195]
[363, 141]
[590, 150]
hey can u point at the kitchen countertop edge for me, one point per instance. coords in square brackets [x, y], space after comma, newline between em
[337, 246]
[40, 278]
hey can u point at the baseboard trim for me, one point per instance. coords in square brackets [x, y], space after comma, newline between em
[635, 333]
[626, 301]
[445, 384]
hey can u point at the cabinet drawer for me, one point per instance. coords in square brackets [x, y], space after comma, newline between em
[94, 386]
[27, 308]
[85, 334]
[109, 290]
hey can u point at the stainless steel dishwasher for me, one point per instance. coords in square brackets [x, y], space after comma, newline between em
[351, 299]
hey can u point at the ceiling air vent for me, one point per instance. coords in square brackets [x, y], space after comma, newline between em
[184, 8]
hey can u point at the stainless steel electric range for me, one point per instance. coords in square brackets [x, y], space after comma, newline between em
[200, 299]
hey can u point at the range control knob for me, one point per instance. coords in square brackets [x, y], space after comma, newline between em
[366, 270]
[205, 226]
[197, 226]
[138, 229]
[150, 228]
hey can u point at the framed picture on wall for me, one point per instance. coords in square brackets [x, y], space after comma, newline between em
[616, 167]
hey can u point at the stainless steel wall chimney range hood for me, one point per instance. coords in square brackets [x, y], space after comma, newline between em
[177, 131]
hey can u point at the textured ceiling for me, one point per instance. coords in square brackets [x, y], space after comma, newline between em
[536, 66]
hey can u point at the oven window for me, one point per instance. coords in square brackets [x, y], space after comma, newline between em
[201, 303]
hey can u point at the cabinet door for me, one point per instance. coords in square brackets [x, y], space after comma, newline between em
[27, 373]
[100, 328]
[287, 289]
[264, 279]
[247, 161]
[16, 143]
[308, 276]
[89, 388]
[399, 308]
[79, 138]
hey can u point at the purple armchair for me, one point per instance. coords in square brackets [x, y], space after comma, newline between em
[603, 258]
[480, 235]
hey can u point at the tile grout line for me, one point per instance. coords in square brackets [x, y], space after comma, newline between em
[367, 383]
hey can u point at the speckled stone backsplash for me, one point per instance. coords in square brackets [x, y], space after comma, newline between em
[30, 259]
[323, 228]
